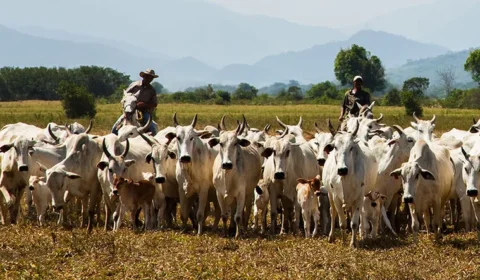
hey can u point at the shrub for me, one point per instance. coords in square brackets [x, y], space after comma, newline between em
[76, 100]
[392, 98]
[411, 104]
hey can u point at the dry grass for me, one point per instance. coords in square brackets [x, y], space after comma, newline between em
[27, 251]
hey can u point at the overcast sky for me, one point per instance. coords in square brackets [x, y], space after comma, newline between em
[331, 13]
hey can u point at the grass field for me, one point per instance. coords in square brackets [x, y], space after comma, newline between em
[30, 252]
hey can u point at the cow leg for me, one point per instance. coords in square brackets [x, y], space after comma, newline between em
[415, 222]
[92, 207]
[108, 213]
[184, 206]
[467, 214]
[316, 220]
[356, 221]
[256, 216]
[218, 214]
[118, 216]
[147, 213]
[239, 214]
[437, 220]
[29, 197]
[84, 211]
[288, 207]
[133, 217]
[14, 209]
[333, 216]
[306, 222]
[273, 212]
[202, 203]
[224, 212]
[248, 208]
[299, 214]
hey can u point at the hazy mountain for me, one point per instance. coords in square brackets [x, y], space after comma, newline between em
[316, 63]
[22, 50]
[177, 28]
[450, 23]
[428, 68]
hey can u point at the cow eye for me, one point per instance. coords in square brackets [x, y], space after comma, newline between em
[287, 153]
[420, 130]
[110, 170]
[179, 139]
[316, 143]
[370, 127]
[466, 170]
[191, 139]
[351, 149]
[416, 177]
[131, 133]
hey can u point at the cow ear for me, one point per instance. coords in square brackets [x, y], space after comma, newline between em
[172, 155]
[267, 152]
[6, 147]
[170, 136]
[129, 162]
[148, 158]
[102, 165]
[414, 125]
[206, 135]
[473, 129]
[244, 142]
[369, 194]
[383, 197]
[328, 148]
[302, 181]
[43, 168]
[213, 142]
[72, 175]
[396, 173]
[258, 190]
[427, 175]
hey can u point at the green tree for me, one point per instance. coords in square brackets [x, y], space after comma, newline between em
[472, 65]
[158, 87]
[392, 98]
[327, 89]
[417, 86]
[411, 103]
[224, 95]
[76, 100]
[244, 91]
[358, 61]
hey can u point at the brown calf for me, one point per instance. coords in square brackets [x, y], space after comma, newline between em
[134, 195]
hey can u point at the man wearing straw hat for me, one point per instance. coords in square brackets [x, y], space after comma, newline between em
[146, 99]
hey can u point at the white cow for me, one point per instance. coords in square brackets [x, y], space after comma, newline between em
[367, 127]
[132, 131]
[236, 171]
[42, 197]
[295, 130]
[427, 180]
[77, 176]
[286, 162]
[349, 173]
[194, 172]
[159, 201]
[321, 141]
[471, 178]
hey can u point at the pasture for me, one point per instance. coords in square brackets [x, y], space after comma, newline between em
[28, 252]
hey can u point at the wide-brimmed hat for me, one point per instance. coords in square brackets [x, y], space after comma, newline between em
[358, 78]
[148, 72]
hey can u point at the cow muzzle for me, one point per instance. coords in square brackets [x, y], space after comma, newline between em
[472, 193]
[115, 192]
[342, 171]
[160, 180]
[279, 175]
[408, 199]
[321, 161]
[57, 208]
[23, 168]
[374, 204]
[227, 165]
[31, 188]
[185, 159]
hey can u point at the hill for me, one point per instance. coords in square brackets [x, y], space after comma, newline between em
[177, 28]
[316, 63]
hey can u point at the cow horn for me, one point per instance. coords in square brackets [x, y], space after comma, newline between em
[380, 118]
[175, 122]
[222, 125]
[474, 121]
[285, 132]
[371, 105]
[242, 125]
[354, 133]
[105, 150]
[67, 130]
[247, 126]
[127, 148]
[266, 128]
[194, 121]
[300, 122]
[398, 129]
[144, 128]
[316, 127]
[147, 139]
[433, 119]
[54, 137]
[90, 126]
[330, 127]
[281, 123]
[415, 117]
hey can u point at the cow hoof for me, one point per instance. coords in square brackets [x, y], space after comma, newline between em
[331, 239]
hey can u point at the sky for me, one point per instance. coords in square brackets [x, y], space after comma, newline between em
[329, 13]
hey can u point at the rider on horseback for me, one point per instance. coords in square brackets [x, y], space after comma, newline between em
[146, 100]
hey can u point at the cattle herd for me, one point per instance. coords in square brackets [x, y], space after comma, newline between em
[362, 174]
